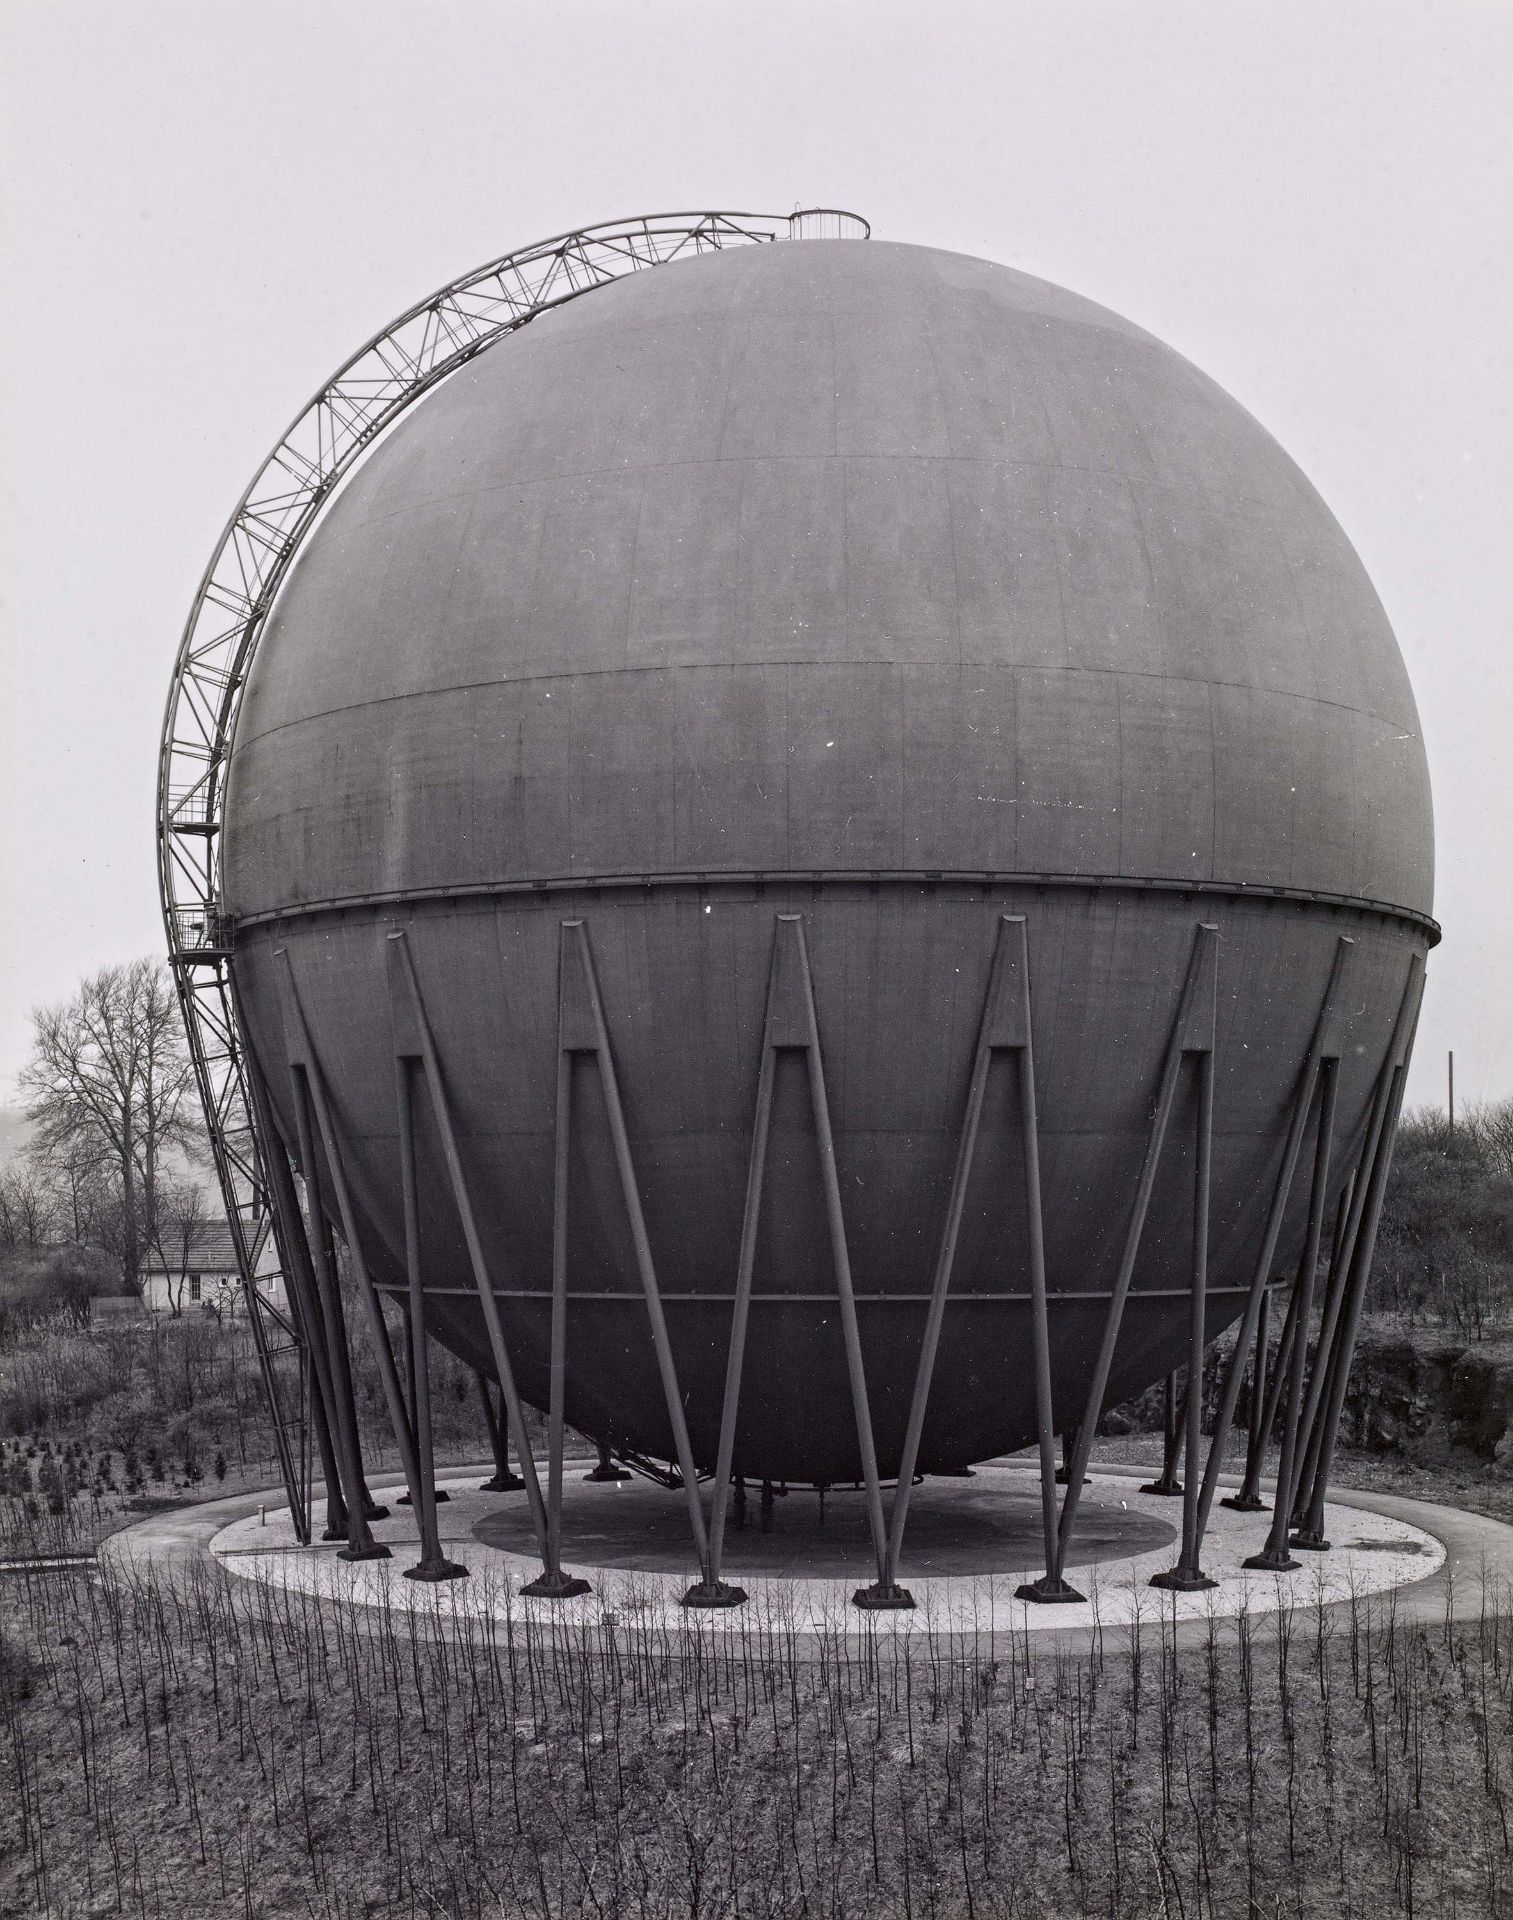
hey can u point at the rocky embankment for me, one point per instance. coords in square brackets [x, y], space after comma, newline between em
[1427, 1396]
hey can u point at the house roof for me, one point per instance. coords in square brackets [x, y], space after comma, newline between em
[210, 1251]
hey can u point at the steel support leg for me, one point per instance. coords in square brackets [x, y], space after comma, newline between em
[1168, 1484]
[287, 1228]
[340, 1341]
[1005, 1028]
[1274, 1557]
[1052, 1583]
[302, 1289]
[300, 1273]
[1192, 1032]
[1322, 1060]
[791, 940]
[1188, 1575]
[360, 1542]
[1255, 1434]
[1374, 1183]
[378, 1337]
[371, 1507]
[556, 1420]
[791, 1024]
[414, 1356]
[407, 1356]
[318, 1433]
[604, 1472]
[359, 1503]
[413, 1036]
[306, 1067]
[1307, 1516]
[433, 1563]
[504, 1480]
[1248, 1499]
[1311, 1434]
[778, 1023]
[325, 1446]
[338, 1344]
[582, 1029]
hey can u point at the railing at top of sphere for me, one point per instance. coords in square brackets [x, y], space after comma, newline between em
[231, 607]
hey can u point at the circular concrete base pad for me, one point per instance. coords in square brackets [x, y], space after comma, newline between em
[970, 1545]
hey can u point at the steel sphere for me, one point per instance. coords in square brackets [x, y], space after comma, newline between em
[891, 588]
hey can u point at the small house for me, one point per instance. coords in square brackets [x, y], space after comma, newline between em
[198, 1270]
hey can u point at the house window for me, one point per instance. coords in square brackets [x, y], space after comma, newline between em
[194, 1286]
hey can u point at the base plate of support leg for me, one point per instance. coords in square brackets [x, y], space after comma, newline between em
[1269, 1562]
[555, 1586]
[442, 1496]
[1243, 1502]
[715, 1594]
[880, 1599]
[335, 1533]
[503, 1483]
[1183, 1580]
[1046, 1592]
[438, 1569]
[607, 1471]
[1308, 1540]
[1168, 1488]
[373, 1511]
[375, 1550]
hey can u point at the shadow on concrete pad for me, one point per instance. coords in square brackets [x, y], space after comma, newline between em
[953, 1529]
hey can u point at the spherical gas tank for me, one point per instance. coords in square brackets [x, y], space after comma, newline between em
[867, 593]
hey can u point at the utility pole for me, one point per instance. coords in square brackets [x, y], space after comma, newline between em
[1452, 1093]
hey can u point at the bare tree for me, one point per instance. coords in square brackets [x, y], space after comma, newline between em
[27, 1213]
[108, 1079]
[1491, 1127]
[83, 1208]
[177, 1219]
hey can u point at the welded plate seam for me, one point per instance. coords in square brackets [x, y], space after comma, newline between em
[840, 876]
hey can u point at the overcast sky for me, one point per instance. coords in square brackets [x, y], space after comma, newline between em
[208, 206]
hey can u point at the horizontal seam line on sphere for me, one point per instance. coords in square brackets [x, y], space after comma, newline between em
[1095, 319]
[727, 666]
[832, 876]
[729, 459]
[638, 1299]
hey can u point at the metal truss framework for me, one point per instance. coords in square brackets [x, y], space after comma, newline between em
[1314, 1398]
[231, 607]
